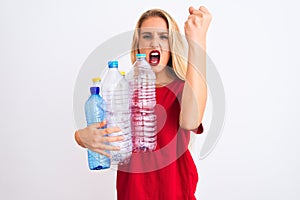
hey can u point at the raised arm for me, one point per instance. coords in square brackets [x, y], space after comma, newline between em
[194, 94]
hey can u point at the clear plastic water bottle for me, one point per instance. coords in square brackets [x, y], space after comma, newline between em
[141, 81]
[115, 92]
[95, 112]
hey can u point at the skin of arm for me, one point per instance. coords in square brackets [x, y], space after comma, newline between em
[194, 94]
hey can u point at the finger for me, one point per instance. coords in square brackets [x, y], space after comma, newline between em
[194, 17]
[100, 148]
[98, 124]
[103, 153]
[111, 139]
[110, 147]
[114, 138]
[191, 9]
[204, 9]
[205, 15]
[110, 130]
[194, 20]
[197, 12]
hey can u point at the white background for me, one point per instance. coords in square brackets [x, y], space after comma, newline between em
[43, 44]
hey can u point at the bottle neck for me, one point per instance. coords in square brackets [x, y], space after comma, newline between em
[94, 90]
[113, 70]
[141, 58]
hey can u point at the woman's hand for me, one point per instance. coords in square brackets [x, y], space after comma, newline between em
[94, 138]
[197, 25]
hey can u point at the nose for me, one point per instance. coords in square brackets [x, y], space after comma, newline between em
[154, 42]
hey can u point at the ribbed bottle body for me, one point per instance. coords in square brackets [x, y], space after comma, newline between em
[115, 92]
[95, 113]
[141, 80]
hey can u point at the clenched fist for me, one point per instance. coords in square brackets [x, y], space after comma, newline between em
[197, 25]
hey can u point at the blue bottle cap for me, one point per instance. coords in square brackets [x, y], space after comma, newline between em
[140, 55]
[113, 64]
[94, 90]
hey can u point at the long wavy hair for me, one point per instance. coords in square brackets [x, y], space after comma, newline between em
[178, 58]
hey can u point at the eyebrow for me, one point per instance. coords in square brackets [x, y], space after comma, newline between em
[159, 33]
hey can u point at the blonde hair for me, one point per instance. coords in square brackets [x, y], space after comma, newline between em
[178, 58]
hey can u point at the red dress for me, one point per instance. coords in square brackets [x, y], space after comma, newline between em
[168, 173]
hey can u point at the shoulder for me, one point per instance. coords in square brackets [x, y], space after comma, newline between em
[173, 90]
[176, 86]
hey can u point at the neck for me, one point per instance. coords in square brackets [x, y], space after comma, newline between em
[164, 77]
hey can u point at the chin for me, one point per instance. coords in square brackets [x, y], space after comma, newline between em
[157, 68]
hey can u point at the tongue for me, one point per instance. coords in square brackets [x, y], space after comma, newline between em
[154, 60]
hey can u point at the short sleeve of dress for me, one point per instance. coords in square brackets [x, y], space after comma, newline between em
[199, 130]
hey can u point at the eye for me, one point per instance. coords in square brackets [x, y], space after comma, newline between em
[146, 36]
[164, 37]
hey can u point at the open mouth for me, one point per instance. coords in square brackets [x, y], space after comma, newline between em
[154, 57]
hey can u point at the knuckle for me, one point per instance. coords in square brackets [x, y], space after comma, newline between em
[189, 23]
[105, 139]
[193, 17]
[94, 132]
[101, 146]
[108, 130]
[112, 129]
[93, 146]
[197, 21]
[207, 16]
[115, 139]
[186, 24]
[109, 139]
[95, 141]
[104, 131]
[114, 148]
[89, 129]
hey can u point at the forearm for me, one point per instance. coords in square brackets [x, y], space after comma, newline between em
[194, 94]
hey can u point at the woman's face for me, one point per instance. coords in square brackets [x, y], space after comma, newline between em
[154, 42]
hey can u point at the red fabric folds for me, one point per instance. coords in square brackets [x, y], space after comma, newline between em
[169, 172]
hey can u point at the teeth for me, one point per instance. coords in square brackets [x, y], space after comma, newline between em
[154, 58]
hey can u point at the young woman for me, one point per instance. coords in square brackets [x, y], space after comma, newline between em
[169, 172]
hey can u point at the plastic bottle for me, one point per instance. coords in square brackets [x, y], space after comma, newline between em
[95, 112]
[97, 82]
[115, 92]
[141, 81]
[123, 73]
